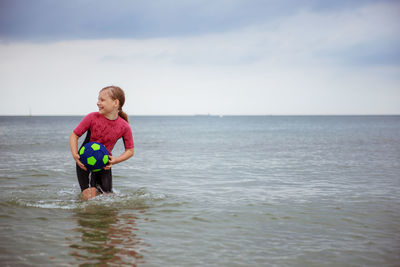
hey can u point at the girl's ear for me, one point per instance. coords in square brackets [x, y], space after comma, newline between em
[116, 103]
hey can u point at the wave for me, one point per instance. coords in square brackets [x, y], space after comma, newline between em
[70, 199]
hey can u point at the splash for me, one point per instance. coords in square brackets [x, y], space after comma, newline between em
[70, 199]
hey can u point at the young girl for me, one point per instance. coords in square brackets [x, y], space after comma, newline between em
[106, 127]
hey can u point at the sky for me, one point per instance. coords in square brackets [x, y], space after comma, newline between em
[185, 57]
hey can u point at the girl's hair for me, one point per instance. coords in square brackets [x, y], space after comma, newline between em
[117, 93]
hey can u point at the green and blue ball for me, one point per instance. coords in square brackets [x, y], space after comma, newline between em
[94, 156]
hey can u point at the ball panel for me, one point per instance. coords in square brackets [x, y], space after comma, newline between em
[95, 147]
[105, 159]
[91, 160]
[82, 150]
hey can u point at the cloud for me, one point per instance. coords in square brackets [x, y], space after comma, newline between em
[313, 61]
[365, 36]
[46, 20]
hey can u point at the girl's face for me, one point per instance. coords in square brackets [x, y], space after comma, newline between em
[106, 104]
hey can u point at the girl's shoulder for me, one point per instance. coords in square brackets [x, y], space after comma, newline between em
[123, 123]
[89, 117]
[94, 115]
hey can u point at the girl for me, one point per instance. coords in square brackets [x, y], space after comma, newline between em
[106, 127]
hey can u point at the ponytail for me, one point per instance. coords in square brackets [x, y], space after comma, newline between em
[118, 93]
[123, 115]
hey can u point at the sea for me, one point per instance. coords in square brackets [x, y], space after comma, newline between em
[207, 191]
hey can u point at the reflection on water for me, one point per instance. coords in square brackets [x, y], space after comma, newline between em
[107, 237]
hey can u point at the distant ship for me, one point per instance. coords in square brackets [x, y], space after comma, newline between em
[207, 115]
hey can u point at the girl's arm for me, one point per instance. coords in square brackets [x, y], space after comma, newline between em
[73, 145]
[124, 156]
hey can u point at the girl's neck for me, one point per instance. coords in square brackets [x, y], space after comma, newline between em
[112, 115]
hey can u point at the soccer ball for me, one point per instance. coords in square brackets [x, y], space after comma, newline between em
[94, 156]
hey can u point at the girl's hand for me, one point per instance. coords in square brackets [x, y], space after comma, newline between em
[80, 164]
[124, 156]
[110, 163]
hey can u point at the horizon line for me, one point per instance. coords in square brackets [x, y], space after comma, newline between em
[201, 115]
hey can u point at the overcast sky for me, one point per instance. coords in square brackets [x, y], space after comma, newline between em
[199, 57]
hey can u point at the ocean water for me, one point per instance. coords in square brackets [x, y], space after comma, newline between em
[207, 191]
